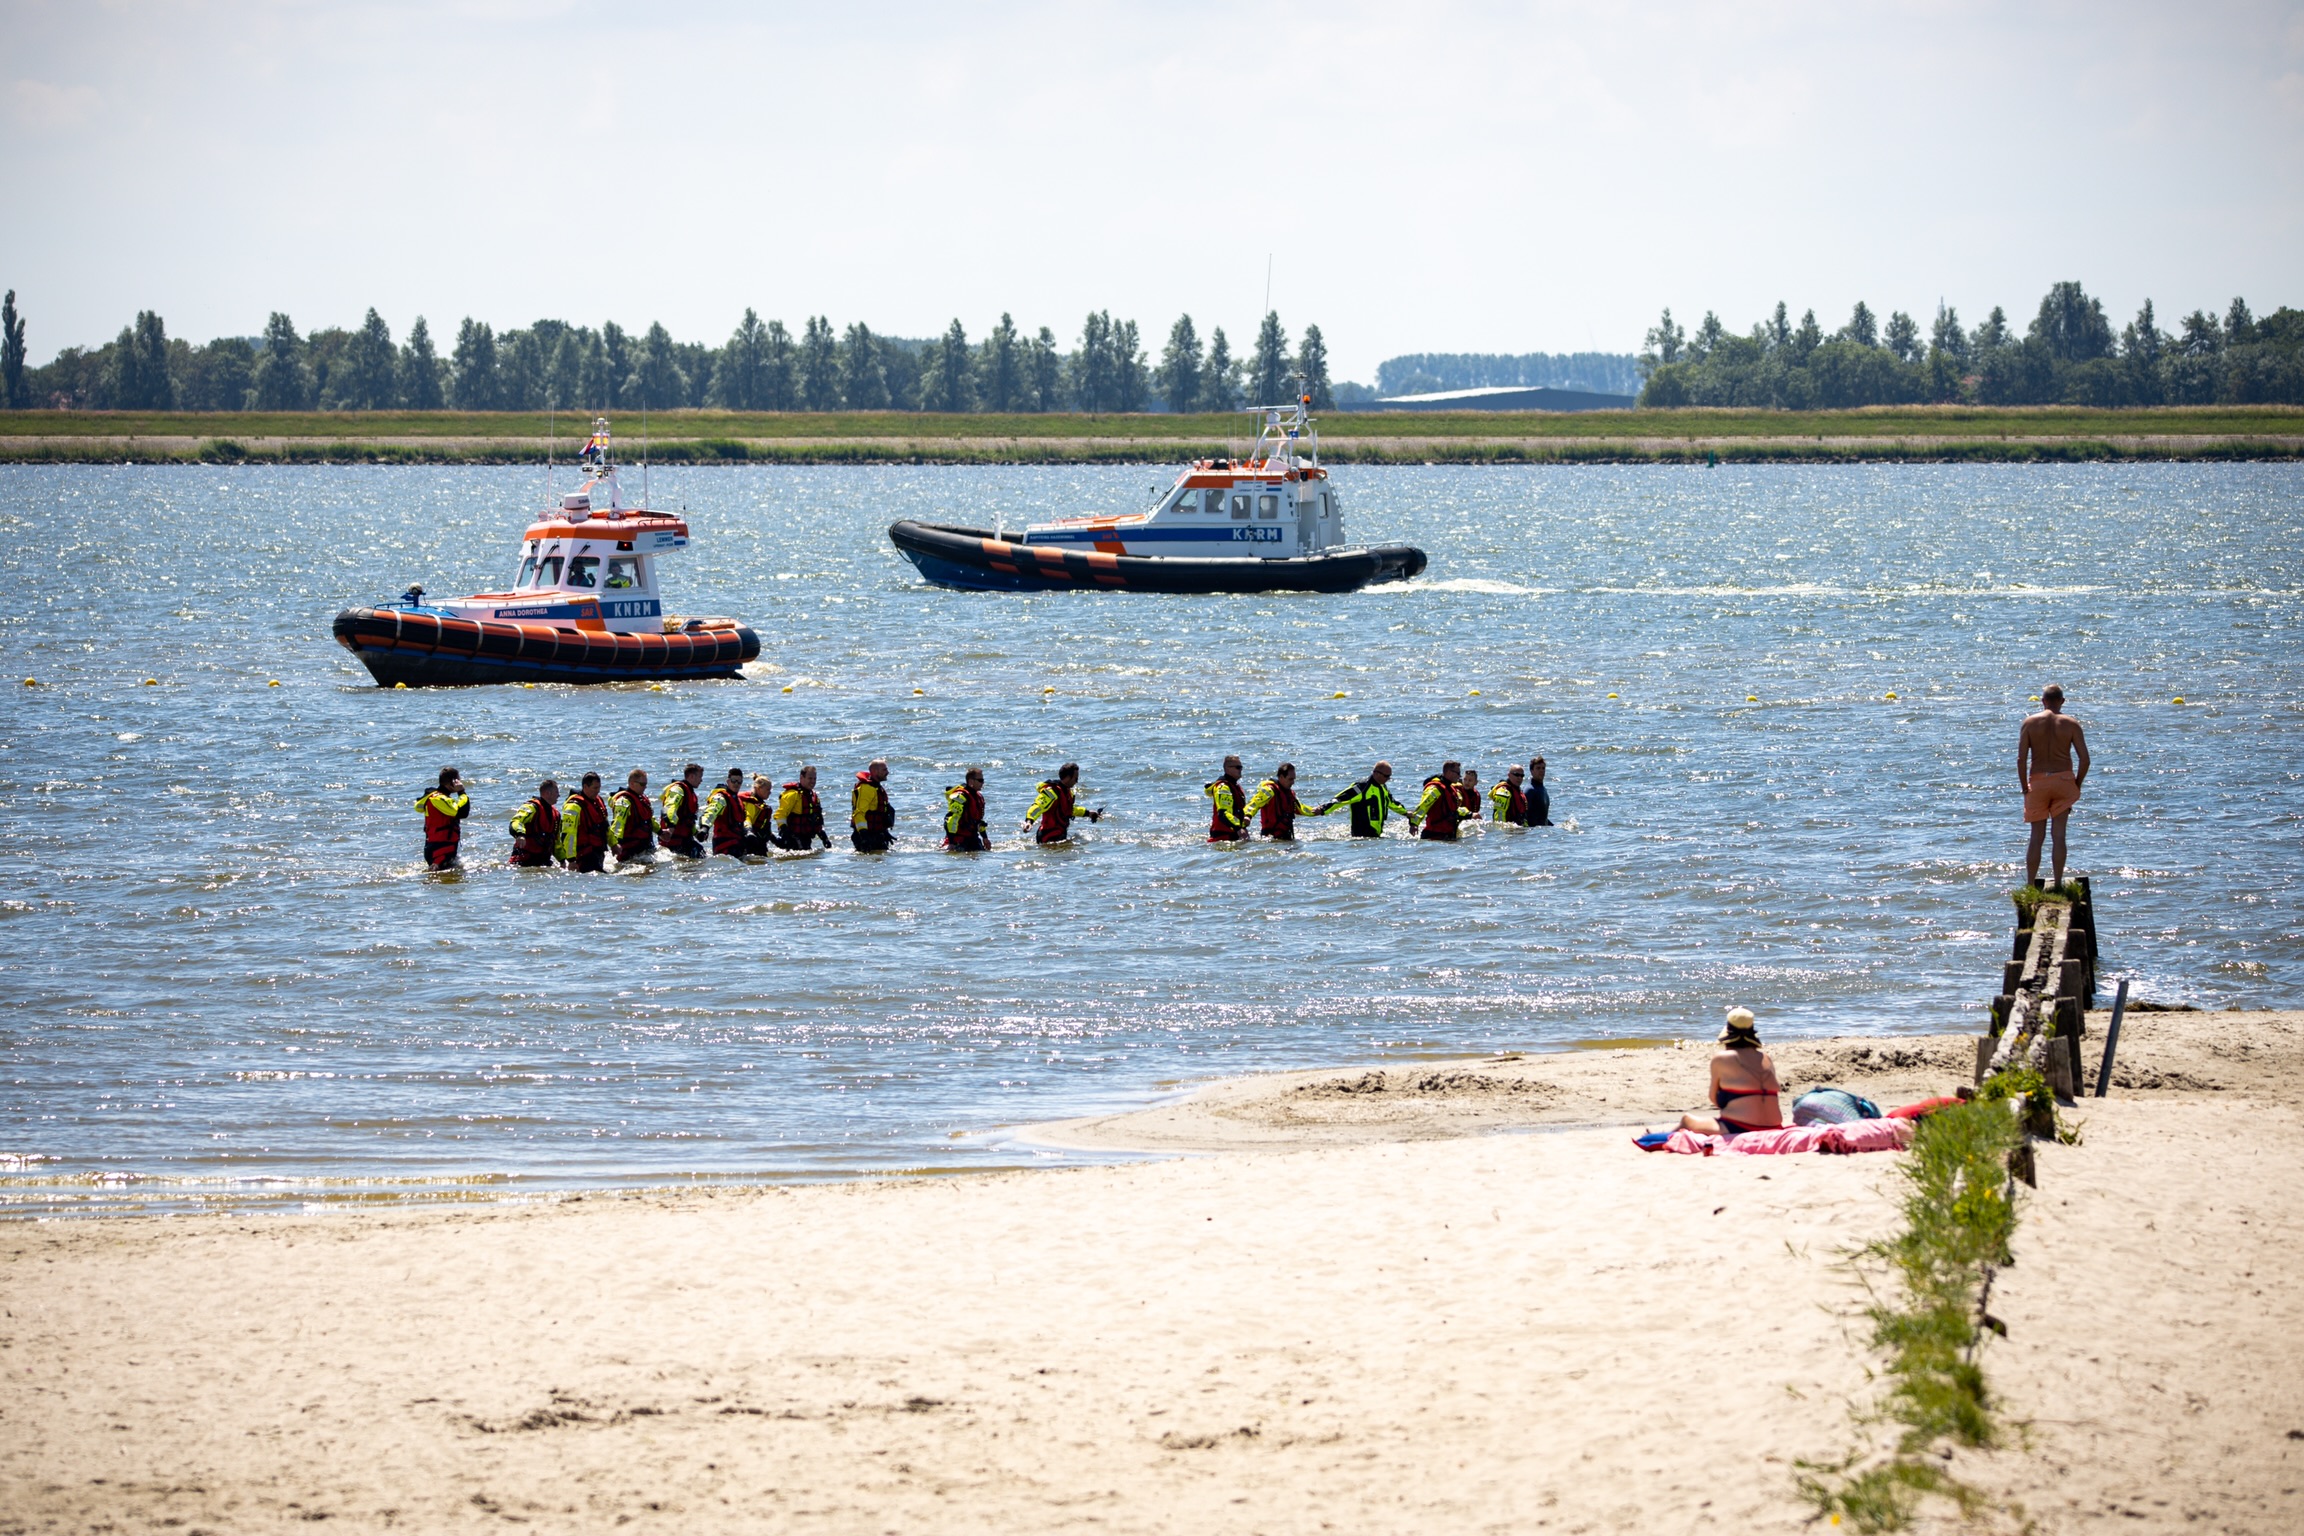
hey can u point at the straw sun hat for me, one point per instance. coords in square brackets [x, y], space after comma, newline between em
[1740, 1025]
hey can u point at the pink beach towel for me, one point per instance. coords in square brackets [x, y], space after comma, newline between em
[1863, 1136]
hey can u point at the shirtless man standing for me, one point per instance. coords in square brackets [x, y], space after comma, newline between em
[2045, 772]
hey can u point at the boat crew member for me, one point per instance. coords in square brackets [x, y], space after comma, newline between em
[799, 814]
[1507, 802]
[964, 815]
[871, 819]
[1227, 814]
[1053, 807]
[584, 828]
[724, 814]
[1371, 801]
[444, 808]
[1539, 798]
[676, 825]
[536, 827]
[631, 818]
[1275, 804]
[1468, 796]
[759, 816]
[1439, 809]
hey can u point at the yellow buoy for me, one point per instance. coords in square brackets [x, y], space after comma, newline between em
[31, 682]
[399, 685]
[1340, 693]
[1051, 688]
[2179, 698]
[1475, 693]
[1890, 696]
[527, 685]
[1751, 698]
[787, 687]
[151, 682]
[273, 684]
[1611, 695]
[919, 692]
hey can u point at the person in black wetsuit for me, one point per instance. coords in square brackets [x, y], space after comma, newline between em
[1539, 798]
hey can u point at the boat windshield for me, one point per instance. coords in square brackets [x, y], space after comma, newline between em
[623, 572]
[527, 572]
[584, 571]
[548, 571]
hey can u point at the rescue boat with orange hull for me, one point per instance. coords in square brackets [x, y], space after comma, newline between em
[584, 608]
[1270, 522]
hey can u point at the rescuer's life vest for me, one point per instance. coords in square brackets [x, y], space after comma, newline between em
[1276, 808]
[964, 820]
[444, 815]
[1225, 823]
[1053, 808]
[677, 825]
[724, 814]
[535, 833]
[801, 816]
[631, 823]
[1441, 809]
[1508, 805]
[583, 831]
[869, 810]
[759, 822]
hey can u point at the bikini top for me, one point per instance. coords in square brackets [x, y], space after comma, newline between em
[1723, 1097]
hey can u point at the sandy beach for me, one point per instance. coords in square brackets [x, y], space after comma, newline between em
[1444, 1296]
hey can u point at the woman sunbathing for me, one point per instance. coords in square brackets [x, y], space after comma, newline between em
[1744, 1086]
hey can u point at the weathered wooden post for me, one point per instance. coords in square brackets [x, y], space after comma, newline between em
[2111, 1039]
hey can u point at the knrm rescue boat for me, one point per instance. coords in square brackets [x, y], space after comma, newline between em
[1269, 522]
[584, 608]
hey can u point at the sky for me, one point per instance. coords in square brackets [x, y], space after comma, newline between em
[1411, 177]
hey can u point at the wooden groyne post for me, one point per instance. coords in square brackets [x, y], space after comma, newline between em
[2041, 1015]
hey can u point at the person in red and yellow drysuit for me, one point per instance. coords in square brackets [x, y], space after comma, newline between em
[444, 808]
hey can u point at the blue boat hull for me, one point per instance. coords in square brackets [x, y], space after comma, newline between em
[976, 560]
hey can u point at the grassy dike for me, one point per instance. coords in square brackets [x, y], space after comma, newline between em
[1899, 434]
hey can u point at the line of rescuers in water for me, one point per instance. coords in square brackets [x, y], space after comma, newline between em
[584, 830]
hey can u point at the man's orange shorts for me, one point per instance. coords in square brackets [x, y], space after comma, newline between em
[2050, 795]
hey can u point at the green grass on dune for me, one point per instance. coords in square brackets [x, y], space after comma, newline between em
[1965, 422]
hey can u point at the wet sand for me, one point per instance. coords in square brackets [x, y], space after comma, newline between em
[1439, 1297]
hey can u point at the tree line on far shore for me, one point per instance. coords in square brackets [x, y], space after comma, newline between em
[761, 367]
[2068, 355]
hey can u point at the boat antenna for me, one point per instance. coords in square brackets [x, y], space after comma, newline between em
[643, 449]
[1267, 288]
[547, 447]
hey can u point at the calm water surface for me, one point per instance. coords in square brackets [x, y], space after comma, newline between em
[228, 976]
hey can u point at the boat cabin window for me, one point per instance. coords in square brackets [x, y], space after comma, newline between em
[1240, 509]
[623, 572]
[1212, 503]
[584, 570]
[1267, 506]
[527, 572]
[548, 571]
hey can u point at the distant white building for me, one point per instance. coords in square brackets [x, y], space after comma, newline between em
[1498, 397]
